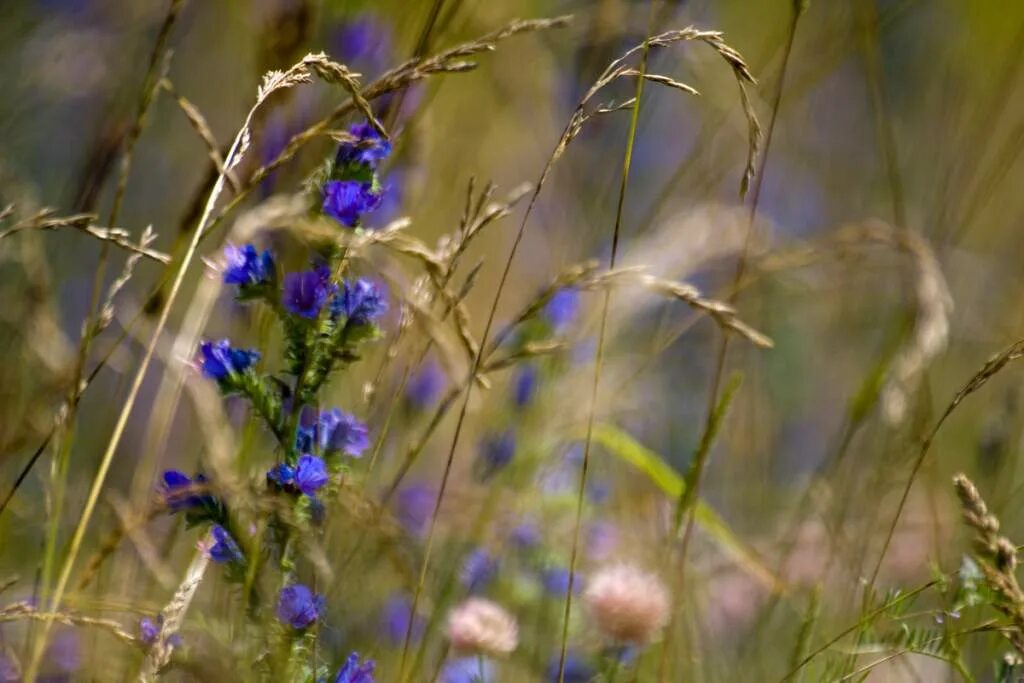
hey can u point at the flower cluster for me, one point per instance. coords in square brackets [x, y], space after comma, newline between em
[352, 187]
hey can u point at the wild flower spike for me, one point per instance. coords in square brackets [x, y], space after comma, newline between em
[361, 302]
[299, 607]
[304, 293]
[220, 361]
[347, 200]
[352, 671]
[562, 309]
[342, 432]
[245, 267]
[368, 148]
[496, 452]
[224, 549]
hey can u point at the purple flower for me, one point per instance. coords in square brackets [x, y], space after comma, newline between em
[478, 570]
[576, 670]
[347, 200]
[354, 672]
[243, 266]
[220, 361]
[556, 581]
[282, 476]
[299, 607]
[149, 629]
[525, 535]
[341, 431]
[363, 42]
[361, 302]
[562, 309]
[8, 672]
[468, 670]
[310, 474]
[395, 618]
[413, 507]
[305, 292]
[496, 452]
[368, 148]
[224, 549]
[425, 386]
[182, 493]
[524, 385]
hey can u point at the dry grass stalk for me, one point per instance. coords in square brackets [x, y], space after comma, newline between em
[23, 610]
[997, 558]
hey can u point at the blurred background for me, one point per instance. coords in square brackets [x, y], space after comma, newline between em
[883, 261]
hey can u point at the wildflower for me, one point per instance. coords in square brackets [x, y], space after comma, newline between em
[562, 309]
[298, 606]
[282, 476]
[149, 629]
[220, 361]
[305, 292]
[310, 474]
[347, 200]
[413, 507]
[628, 604]
[243, 266]
[525, 535]
[496, 452]
[524, 385]
[478, 570]
[364, 43]
[182, 493]
[224, 549]
[342, 432]
[556, 581]
[576, 670]
[368, 148]
[8, 671]
[425, 386]
[602, 538]
[354, 672]
[482, 627]
[468, 670]
[395, 617]
[361, 302]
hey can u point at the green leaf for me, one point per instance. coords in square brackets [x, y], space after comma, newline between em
[629, 450]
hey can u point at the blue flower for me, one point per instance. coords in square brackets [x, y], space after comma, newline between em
[425, 386]
[525, 536]
[220, 361]
[364, 43]
[310, 474]
[224, 549]
[305, 292]
[576, 670]
[496, 452]
[468, 670]
[562, 309]
[524, 385]
[243, 266]
[556, 581]
[298, 606]
[354, 672]
[413, 507]
[361, 302]
[343, 432]
[149, 629]
[281, 475]
[182, 493]
[347, 200]
[368, 148]
[478, 570]
[394, 620]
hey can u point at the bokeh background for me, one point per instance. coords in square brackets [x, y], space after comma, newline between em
[884, 263]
